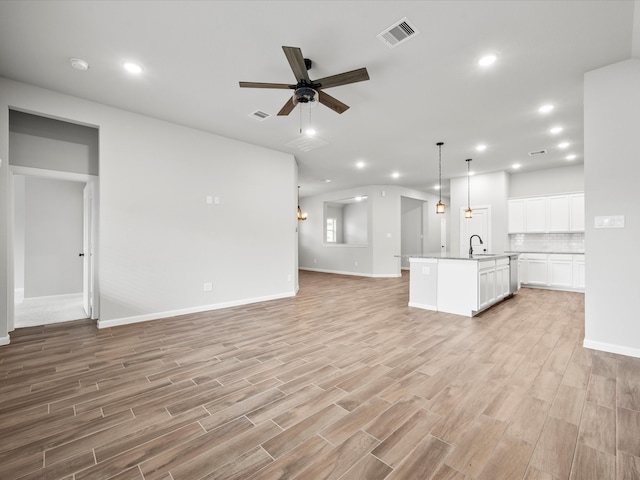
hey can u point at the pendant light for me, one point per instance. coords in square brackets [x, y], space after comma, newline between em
[301, 216]
[468, 213]
[440, 205]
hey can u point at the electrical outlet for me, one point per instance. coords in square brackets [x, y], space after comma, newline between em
[289, 278]
[216, 200]
[207, 287]
[209, 199]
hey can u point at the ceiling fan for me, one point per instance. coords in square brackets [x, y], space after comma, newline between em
[307, 90]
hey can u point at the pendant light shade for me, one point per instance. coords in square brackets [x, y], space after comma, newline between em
[468, 213]
[440, 205]
[301, 216]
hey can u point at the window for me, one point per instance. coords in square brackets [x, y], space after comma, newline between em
[331, 230]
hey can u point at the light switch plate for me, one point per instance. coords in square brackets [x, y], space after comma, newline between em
[609, 221]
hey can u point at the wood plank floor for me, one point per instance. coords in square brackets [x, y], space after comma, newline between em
[344, 381]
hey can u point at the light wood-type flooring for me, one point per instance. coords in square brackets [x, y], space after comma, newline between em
[344, 381]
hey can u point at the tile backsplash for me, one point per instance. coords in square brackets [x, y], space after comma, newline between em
[547, 242]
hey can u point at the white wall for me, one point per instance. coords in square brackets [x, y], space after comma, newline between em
[379, 257]
[19, 236]
[485, 190]
[612, 172]
[53, 237]
[547, 182]
[159, 240]
[412, 231]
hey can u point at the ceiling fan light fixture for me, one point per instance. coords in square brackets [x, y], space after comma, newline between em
[305, 97]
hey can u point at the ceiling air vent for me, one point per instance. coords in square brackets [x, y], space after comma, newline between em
[258, 115]
[398, 33]
[539, 152]
[307, 143]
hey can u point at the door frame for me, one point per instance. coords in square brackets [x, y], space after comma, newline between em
[92, 215]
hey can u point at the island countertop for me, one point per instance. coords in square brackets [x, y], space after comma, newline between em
[453, 256]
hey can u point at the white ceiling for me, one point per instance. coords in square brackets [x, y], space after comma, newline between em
[426, 90]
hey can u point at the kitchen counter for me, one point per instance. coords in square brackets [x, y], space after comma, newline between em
[551, 252]
[461, 284]
[453, 256]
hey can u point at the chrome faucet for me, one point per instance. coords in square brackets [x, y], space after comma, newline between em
[471, 246]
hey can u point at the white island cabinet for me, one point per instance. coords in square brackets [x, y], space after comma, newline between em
[462, 285]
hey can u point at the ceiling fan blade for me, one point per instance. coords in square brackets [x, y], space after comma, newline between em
[264, 85]
[296, 60]
[359, 75]
[287, 108]
[333, 103]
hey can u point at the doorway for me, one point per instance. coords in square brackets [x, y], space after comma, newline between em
[413, 228]
[53, 253]
[53, 182]
[479, 224]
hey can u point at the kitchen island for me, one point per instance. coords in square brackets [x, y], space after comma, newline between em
[463, 285]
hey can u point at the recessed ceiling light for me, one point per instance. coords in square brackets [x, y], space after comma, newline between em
[481, 147]
[360, 164]
[327, 180]
[556, 130]
[395, 174]
[515, 166]
[132, 67]
[546, 108]
[79, 64]
[310, 132]
[563, 145]
[570, 157]
[437, 187]
[487, 60]
[471, 174]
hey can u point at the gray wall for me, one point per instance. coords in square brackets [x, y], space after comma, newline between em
[547, 182]
[41, 142]
[612, 171]
[412, 231]
[355, 223]
[159, 240]
[53, 237]
[490, 190]
[379, 258]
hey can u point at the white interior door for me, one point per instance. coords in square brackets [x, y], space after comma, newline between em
[477, 225]
[87, 251]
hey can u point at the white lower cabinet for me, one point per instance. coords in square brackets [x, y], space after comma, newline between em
[553, 270]
[486, 283]
[537, 269]
[502, 278]
[561, 270]
[493, 281]
[578, 272]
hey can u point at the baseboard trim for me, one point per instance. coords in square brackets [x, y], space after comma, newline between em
[353, 274]
[612, 348]
[424, 306]
[116, 322]
[5, 340]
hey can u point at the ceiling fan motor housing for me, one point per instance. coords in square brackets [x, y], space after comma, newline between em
[305, 95]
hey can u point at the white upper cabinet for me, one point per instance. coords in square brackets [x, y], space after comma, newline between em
[557, 213]
[576, 209]
[535, 214]
[515, 213]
